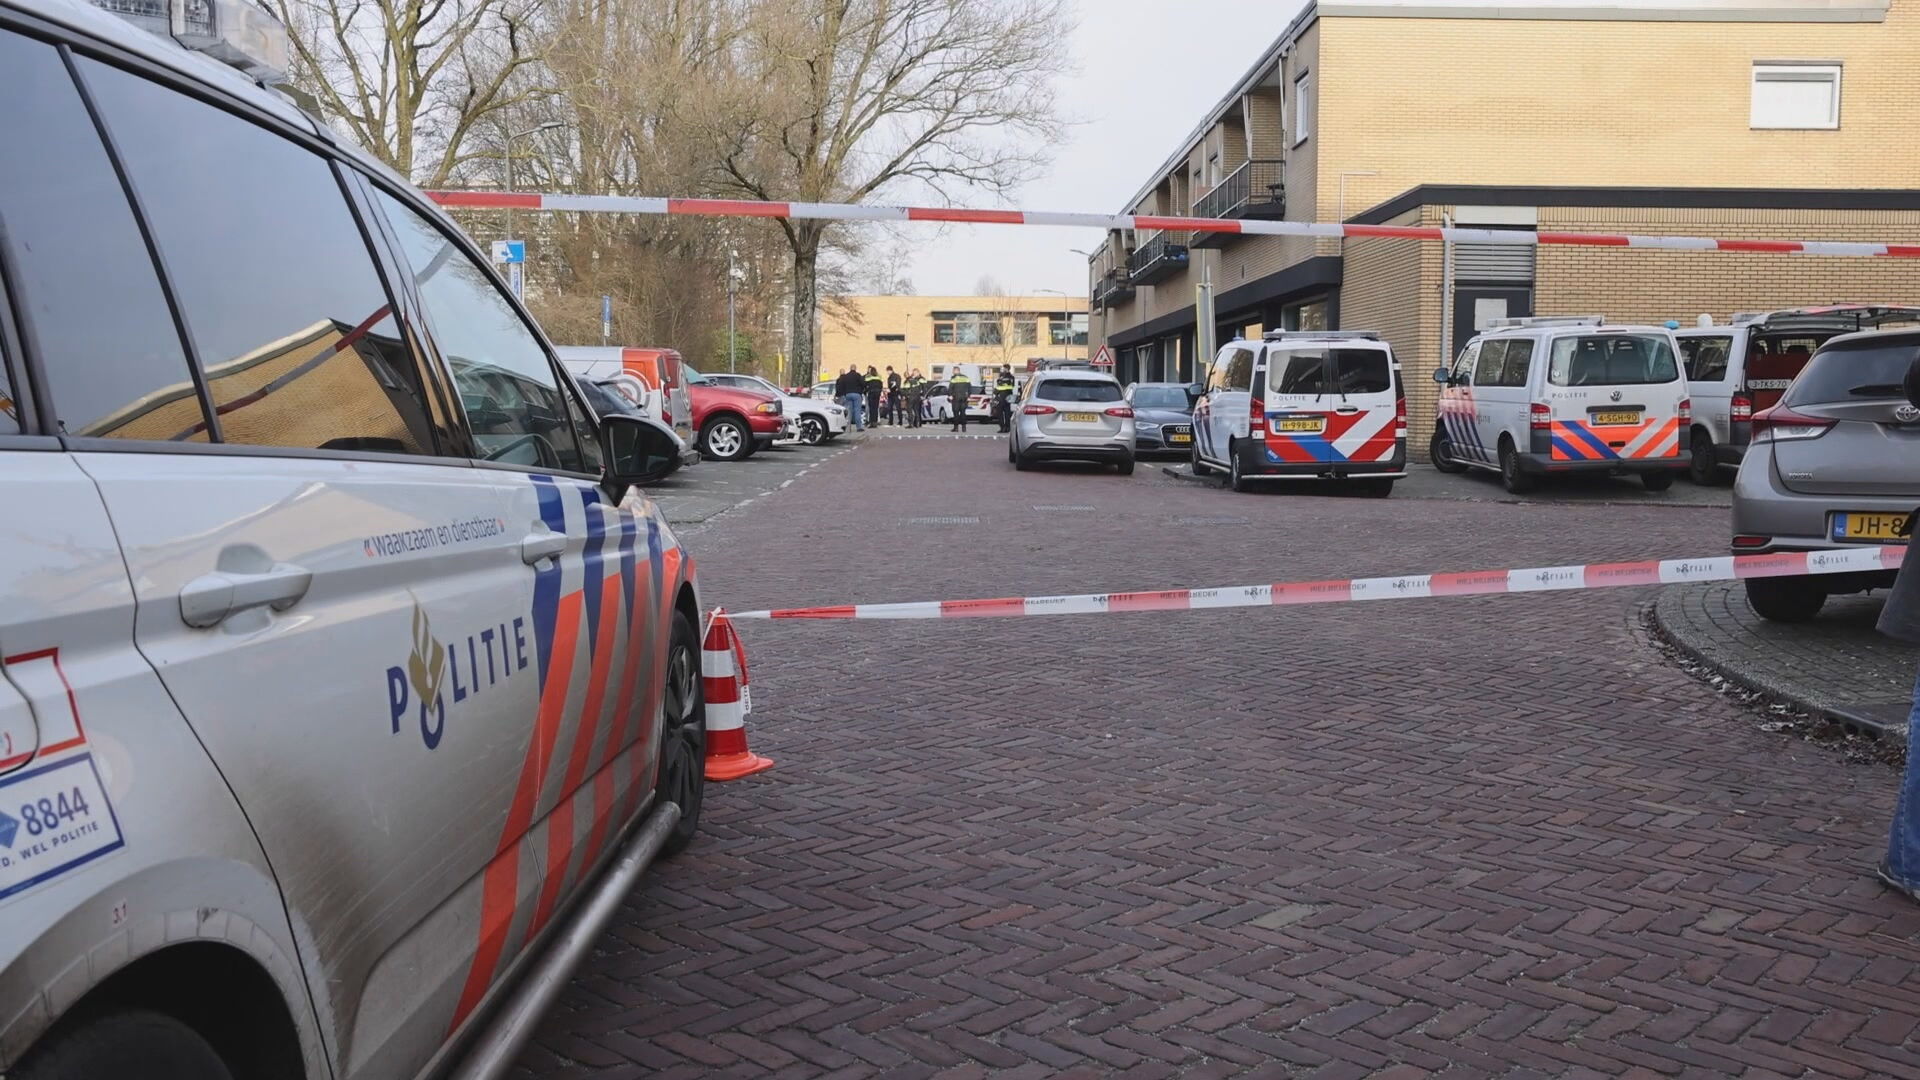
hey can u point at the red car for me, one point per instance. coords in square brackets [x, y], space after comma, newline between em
[729, 423]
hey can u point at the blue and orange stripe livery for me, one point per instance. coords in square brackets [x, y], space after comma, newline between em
[1576, 440]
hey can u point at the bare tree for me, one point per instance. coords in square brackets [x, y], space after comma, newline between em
[412, 80]
[839, 100]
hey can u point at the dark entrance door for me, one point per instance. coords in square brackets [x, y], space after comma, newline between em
[1476, 305]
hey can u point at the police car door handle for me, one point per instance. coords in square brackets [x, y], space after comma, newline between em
[542, 545]
[210, 599]
[1346, 410]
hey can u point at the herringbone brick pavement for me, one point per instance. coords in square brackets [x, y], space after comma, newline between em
[1481, 837]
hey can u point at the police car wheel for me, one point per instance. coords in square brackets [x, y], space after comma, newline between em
[813, 430]
[1441, 451]
[1515, 480]
[1235, 479]
[1200, 468]
[1703, 470]
[128, 1043]
[681, 774]
[1657, 481]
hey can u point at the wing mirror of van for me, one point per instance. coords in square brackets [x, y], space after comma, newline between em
[637, 450]
[1441, 376]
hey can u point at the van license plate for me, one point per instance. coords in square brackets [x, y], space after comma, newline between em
[1307, 425]
[1617, 416]
[1869, 528]
[1081, 417]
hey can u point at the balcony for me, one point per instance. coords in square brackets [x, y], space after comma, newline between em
[1114, 288]
[1161, 256]
[1254, 190]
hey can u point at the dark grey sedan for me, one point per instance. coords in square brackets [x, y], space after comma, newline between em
[1162, 417]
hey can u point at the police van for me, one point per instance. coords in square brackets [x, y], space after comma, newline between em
[1737, 369]
[1304, 405]
[1535, 397]
[345, 682]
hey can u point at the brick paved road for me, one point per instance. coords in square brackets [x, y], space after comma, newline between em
[1482, 837]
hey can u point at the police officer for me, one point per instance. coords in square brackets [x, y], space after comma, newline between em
[893, 396]
[874, 385]
[1003, 397]
[959, 389]
[916, 396]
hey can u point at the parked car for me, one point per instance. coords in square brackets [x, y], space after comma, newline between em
[814, 421]
[1304, 405]
[1734, 371]
[317, 563]
[733, 423]
[1831, 466]
[605, 400]
[655, 380]
[1072, 416]
[1535, 397]
[938, 402]
[1162, 417]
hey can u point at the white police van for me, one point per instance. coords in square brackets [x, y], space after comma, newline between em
[1304, 405]
[343, 680]
[1535, 397]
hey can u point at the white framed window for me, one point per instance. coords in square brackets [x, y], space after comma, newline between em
[1302, 107]
[1802, 95]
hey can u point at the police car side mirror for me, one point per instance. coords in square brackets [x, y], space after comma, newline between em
[1440, 376]
[635, 449]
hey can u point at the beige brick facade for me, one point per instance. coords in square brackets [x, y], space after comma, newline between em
[1546, 118]
[860, 330]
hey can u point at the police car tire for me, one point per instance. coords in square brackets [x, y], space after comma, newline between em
[1441, 451]
[1234, 478]
[1703, 470]
[1200, 468]
[125, 1043]
[1516, 481]
[1657, 481]
[684, 638]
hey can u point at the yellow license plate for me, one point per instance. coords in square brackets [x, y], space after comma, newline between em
[1869, 528]
[1623, 416]
[1179, 436]
[1081, 417]
[1309, 424]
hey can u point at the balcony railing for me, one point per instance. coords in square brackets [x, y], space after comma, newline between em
[1162, 255]
[1114, 288]
[1254, 190]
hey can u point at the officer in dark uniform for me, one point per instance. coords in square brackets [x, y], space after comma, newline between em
[1003, 397]
[874, 384]
[959, 389]
[893, 396]
[916, 397]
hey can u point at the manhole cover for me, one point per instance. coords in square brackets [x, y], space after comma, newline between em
[943, 521]
[1063, 508]
[1209, 519]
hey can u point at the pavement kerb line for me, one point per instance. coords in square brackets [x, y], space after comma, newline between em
[1471, 583]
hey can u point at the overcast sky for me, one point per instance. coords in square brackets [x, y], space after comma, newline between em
[1143, 72]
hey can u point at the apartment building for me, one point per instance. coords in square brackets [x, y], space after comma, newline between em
[932, 333]
[1742, 118]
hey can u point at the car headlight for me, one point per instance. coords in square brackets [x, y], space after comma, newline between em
[771, 408]
[1146, 425]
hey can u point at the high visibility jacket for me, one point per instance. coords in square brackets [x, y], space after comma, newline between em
[873, 382]
[961, 385]
[1003, 385]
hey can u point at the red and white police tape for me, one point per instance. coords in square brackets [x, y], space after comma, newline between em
[633, 204]
[1471, 583]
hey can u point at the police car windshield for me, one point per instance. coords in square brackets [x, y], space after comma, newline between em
[1330, 371]
[1611, 360]
[1078, 390]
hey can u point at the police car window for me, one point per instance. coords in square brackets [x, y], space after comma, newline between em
[1239, 375]
[1519, 359]
[1463, 367]
[513, 399]
[291, 325]
[1078, 390]
[1706, 357]
[1611, 360]
[100, 323]
[1492, 366]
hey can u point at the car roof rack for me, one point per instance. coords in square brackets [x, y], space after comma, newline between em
[1546, 320]
[1354, 335]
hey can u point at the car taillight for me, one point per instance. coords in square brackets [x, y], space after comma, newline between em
[1781, 424]
[1256, 416]
[1752, 541]
[771, 408]
[1742, 408]
[1039, 410]
[1540, 416]
[1121, 411]
[1686, 411]
[1400, 417]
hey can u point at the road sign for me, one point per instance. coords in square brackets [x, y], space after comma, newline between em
[509, 251]
[513, 277]
[1103, 357]
[606, 319]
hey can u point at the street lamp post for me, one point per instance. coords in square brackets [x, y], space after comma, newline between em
[512, 135]
[1066, 321]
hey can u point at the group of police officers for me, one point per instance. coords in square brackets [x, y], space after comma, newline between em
[906, 396]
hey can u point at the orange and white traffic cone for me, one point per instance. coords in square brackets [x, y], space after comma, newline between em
[723, 672]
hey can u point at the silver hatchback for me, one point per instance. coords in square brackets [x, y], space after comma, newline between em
[1836, 464]
[1069, 415]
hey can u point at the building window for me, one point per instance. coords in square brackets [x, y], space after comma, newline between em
[1026, 329]
[1803, 96]
[889, 337]
[1311, 315]
[1062, 330]
[1302, 107]
[967, 328]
